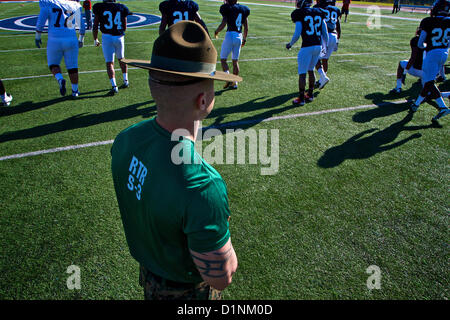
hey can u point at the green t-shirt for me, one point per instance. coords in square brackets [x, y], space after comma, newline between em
[167, 208]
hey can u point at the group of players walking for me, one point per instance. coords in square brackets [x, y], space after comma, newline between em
[318, 26]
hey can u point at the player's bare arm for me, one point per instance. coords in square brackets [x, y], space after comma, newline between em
[199, 19]
[220, 27]
[412, 59]
[244, 36]
[95, 31]
[338, 28]
[217, 267]
[163, 24]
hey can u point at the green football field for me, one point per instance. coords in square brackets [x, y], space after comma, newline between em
[360, 181]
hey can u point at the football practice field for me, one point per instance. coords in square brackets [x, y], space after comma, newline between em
[360, 185]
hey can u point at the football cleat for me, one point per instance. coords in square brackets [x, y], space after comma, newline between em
[227, 85]
[413, 107]
[234, 86]
[62, 87]
[126, 84]
[7, 99]
[396, 90]
[317, 84]
[324, 82]
[75, 93]
[300, 101]
[442, 112]
[113, 90]
[309, 97]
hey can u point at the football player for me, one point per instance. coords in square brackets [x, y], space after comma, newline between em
[435, 33]
[333, 14]
[234, 16]
[112, 18]
[310, 25]
[345, 7]
[413, 66]
[173, 11]
[63, 17]
[6, 98]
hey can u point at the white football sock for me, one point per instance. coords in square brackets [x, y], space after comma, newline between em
[113, 82]
[399, 84]
[75, 87]
[125, 77]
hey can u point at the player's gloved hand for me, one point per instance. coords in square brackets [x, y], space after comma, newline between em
[288, 46]
[96, 43]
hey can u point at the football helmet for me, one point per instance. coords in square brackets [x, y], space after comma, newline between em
[303, 3]
[440, 8]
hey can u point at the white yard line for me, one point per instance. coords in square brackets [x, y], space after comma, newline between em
[231, 124]
[242, 60]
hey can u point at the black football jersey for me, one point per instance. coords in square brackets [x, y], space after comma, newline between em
[438, 32]
[332, 15]
[111, 16]
[177, 10]
[419, 59]
[311, 20]
[235, 15]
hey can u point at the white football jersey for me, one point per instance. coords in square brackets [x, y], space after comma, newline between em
[63, 16]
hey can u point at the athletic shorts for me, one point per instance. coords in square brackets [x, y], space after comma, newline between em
[307, 58]
[344, 11]
[113, 45]
[331, 46]
[57, 48]
[412, 71]
[433, 62]
[231, 44]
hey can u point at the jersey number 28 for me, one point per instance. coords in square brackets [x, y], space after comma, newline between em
[440, 37]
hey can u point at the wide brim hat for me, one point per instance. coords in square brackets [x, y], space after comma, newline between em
[186, 49]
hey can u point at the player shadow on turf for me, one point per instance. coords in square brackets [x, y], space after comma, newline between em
[220, 114]
[83, 120]
[360, 147]
[31, 106]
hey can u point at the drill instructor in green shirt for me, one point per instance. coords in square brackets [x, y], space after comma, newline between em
[175, 215]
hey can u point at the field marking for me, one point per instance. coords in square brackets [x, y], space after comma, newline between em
[224, 125]
[242, 60]
[40, 152]
[353, 13]
[88, 45]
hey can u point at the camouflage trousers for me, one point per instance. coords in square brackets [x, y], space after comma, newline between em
[157, 288]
